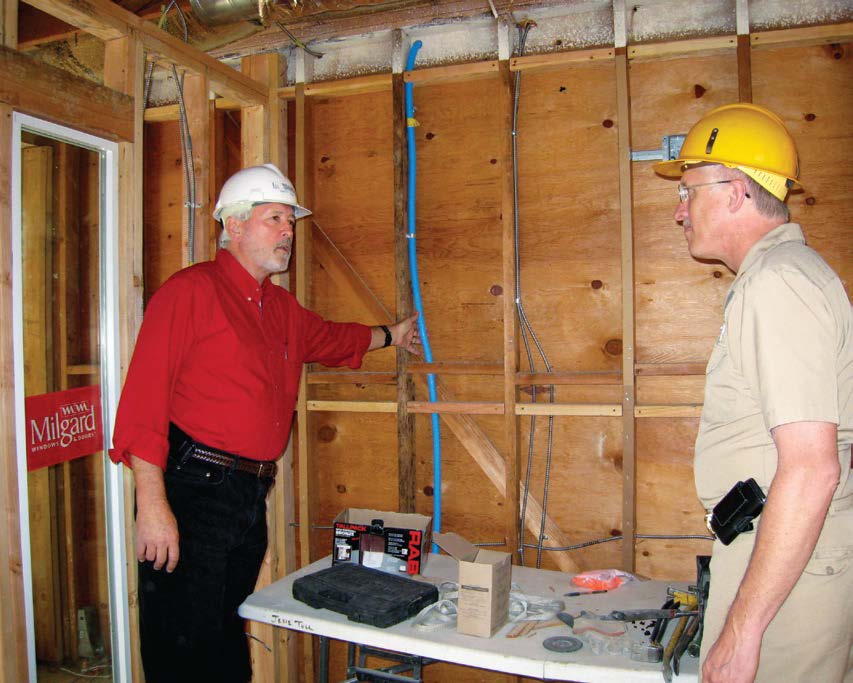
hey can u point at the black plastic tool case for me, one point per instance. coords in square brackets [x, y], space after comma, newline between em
[366, 596]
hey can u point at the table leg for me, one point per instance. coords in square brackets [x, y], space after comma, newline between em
[324, 659]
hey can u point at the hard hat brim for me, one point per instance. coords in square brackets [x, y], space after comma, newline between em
[298, 211]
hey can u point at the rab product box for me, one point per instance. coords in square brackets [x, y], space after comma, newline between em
[393, 542]
[484, 585]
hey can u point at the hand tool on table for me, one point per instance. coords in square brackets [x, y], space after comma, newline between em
[679, 638]
[670, 649]
[686, 638]
[653, 650]
[648, 614]
[703, 583]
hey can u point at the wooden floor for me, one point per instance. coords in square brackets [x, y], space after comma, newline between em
[66, 674]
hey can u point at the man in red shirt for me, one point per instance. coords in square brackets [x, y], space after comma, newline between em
[205, 411]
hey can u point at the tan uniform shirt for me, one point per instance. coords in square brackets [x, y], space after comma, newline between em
[784, 354]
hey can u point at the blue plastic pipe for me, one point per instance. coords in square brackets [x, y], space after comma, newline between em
[416, 294]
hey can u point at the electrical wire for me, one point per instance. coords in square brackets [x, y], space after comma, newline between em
[528, 334]
[299, 43]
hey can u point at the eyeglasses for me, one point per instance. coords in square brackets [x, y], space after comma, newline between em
[684, 190]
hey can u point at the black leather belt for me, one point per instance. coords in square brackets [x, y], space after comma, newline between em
[186, 447]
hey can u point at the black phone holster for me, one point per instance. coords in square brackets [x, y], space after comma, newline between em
[735, 512]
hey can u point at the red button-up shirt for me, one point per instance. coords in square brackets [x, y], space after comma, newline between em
[221, 357]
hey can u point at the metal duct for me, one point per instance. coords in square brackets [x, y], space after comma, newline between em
[215, 12]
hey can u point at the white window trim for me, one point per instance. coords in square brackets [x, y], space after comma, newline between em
[110, 378]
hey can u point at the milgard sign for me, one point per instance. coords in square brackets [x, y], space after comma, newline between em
[63, 425]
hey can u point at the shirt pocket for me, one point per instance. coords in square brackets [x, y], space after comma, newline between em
[833, 554]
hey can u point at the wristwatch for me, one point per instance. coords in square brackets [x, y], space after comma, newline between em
[388, 338]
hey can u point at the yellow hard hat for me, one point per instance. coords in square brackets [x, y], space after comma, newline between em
[743, 136]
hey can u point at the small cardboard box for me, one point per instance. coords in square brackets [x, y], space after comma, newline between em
[484, 585]
[394, 542]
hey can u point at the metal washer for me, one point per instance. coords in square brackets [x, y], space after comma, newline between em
[562, 644]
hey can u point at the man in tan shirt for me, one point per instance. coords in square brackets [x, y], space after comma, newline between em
[778, 408]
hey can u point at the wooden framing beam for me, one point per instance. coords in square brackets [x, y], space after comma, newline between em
[9, 23]
[807, 35]
[270, 69]
[350, 86]
[199, 114]
[304, 233]
[681, 47]
[453, 72]
[570, 409]
[451, 407]
[689, 410]
[744, 50]
[124, 65]
[263, 140]
[108, 21]
[172, 112]
[629, 483]
[556, 60]
[404, 304]
[13, 647]
[513, 525]
[309, 28]
[31, 87]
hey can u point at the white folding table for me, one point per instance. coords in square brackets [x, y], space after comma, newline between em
[524, 656]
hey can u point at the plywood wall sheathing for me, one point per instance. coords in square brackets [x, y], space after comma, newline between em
[678, 303]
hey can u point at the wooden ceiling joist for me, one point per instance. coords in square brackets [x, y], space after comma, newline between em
[108, 21]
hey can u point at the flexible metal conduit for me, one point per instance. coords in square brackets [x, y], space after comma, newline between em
[186, 140]
[416, 291]
[527, 334]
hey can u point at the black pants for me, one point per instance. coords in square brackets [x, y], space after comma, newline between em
[189, 625]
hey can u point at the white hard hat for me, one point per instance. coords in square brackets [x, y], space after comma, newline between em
[258, 185]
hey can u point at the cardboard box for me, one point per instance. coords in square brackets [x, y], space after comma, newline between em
[394, 542]
[484, 584]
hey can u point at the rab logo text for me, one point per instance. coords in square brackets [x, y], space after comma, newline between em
[413, 566]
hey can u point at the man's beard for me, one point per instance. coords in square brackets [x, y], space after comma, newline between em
[284, 251]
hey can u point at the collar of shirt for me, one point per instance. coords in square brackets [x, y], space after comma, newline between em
[245, 285]
[787, 232]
